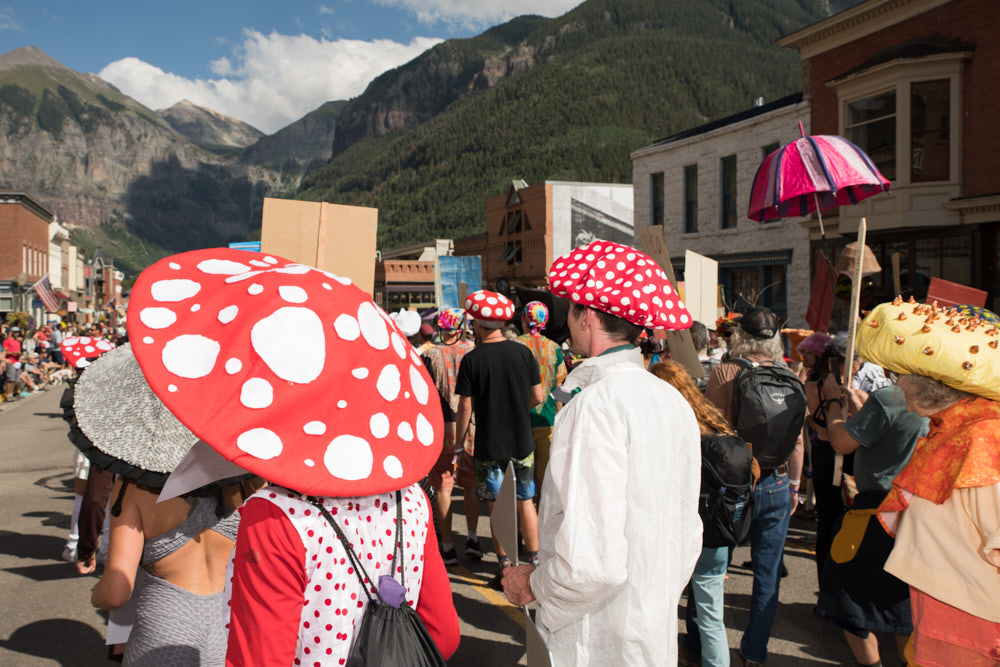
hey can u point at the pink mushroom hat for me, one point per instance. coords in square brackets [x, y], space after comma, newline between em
[490, 309]
[78, 351]
[621, 281]
[289, 372]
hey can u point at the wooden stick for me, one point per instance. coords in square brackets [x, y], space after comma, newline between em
[852, 329]
[896, 276]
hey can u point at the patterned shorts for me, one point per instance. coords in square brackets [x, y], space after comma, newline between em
[489, 476]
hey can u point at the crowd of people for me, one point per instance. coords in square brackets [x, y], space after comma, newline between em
[603, 432]
[31, 359]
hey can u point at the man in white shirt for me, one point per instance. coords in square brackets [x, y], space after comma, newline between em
[619, 531]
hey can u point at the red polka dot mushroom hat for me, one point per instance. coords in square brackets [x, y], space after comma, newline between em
[621, 281]
[291, 373]
[78, 351]
[490, 309]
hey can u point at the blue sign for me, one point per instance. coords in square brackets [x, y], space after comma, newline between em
[452, 271]
[253, 246]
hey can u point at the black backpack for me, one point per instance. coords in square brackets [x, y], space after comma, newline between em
[769, 408]
[726, 503]
[387, 636]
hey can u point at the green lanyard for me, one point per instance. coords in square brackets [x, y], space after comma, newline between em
[617, 348]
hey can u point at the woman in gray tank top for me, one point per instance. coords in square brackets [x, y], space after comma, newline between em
[167, 560]
[173, 557]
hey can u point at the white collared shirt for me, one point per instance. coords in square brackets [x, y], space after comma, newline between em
[619, 528]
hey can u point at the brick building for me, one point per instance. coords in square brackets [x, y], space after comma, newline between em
[530, 225]
[913, 83]
[696, 186]
[404, 283]
[24, 248]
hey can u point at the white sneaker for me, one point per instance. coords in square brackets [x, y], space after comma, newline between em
[69, 554]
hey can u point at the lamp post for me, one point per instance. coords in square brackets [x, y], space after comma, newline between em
[21, 280]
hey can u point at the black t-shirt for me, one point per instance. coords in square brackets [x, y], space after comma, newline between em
[499, 377]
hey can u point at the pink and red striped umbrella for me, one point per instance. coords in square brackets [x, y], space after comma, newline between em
[822, 170]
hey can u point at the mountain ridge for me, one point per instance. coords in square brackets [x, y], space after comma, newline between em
[428, 142]
[209, 129]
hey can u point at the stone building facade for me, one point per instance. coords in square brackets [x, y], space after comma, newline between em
[696, 186]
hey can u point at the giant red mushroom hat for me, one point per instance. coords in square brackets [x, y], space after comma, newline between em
[78, 351]
[621, 281]
[291, 373]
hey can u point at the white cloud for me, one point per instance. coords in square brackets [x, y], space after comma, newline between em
[323, 9]
[479, 13]
[271, 80]
[8, 21]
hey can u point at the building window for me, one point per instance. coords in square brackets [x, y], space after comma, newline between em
[727, 190]
[761, 284]
[656, 184]
[515, 223]
[871, 124]
[770, 148]
[691, 199]
[929, 136]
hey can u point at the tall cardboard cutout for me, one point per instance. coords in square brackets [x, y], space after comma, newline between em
[504, 515]
[332, 237]
[701, 286]
[504, 518]
[681, 346]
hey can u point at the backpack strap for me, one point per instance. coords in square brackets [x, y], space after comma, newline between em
[359, 569]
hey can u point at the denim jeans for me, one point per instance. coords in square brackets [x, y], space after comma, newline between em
[772, 510]
[706, 627]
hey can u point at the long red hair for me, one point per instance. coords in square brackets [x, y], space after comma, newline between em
[710, 420]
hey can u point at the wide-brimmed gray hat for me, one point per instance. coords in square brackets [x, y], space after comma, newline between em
[125, 427]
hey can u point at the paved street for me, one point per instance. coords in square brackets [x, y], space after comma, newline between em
[46, 617]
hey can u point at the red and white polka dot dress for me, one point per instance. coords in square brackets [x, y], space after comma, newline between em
[334, 600]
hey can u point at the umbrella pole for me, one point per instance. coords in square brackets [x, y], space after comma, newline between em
[826, 244]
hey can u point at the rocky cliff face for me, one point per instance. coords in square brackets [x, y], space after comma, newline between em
[74, 140]
[209, 129]
[413, 93]
[180, 178]
[283, 158]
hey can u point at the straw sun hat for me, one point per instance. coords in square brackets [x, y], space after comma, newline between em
[122, 426]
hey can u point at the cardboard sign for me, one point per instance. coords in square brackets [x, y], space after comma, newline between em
[538, 652]
[947, 293]
[332, 237]
[504, 515]
[701, 284]
[681, 346]
[450, 274]
[121, 620]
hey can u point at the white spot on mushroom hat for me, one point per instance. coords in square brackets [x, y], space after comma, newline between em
[621, 281]
[247, 370]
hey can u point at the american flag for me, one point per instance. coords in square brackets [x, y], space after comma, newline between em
[44, 291]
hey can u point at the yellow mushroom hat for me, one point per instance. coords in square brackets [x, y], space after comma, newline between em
[942, 343]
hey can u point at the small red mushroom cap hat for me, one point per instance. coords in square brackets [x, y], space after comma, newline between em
[79, 350]
[620, 281]
[291, 373]
[489, 308]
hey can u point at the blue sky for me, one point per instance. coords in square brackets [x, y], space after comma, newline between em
[267, 63]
